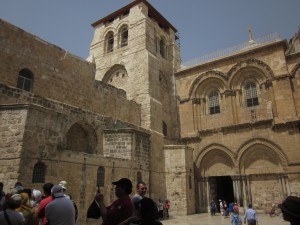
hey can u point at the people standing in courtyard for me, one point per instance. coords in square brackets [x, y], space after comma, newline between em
[122, 208]
[250, 216]
[236, 208]
[235, 219]
[27, 210]
[221, 207]
[60, 211]
[213, 207]
[160, 206]
[47, 198]
[230, 208]
[290, 208]
[167, 207]
[225, 207]
[141, 190]
[10, 216]
[148, 212]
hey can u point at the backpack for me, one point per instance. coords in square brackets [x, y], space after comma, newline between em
[236, 219]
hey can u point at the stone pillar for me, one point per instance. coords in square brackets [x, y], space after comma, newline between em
[179, 171]
[249, 189]
[207, 194]
[245, 199]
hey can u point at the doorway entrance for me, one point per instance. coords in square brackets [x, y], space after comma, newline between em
[224, 189]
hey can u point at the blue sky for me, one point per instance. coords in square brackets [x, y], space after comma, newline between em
[204, 26]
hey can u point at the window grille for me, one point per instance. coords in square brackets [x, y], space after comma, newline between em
[214, 105]
[38, 175]
[251, 94]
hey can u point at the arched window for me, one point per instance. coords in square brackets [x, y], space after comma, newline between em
[124, 36]
[213, 101]
[139, 177]
[100, 176]
[251, 94]
[109, 42]
[38, 175]
[25, 80]
[162, 47]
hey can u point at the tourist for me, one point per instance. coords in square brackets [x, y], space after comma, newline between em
[167, 207]
[141, 190]
[122, 208]
[236, 208]
[47, 198]
[213, 207]
[230, 208]
[148, 212]
[250, 216]
[221, 207]
[36, 198]
[27, 210]
[10, 216]
[225, 208]
[64, 184]
[60, 211]
[160, 206]
[235, 218]
[290, 208]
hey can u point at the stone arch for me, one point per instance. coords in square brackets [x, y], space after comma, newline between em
[214, 76]
[117, 76]
[253, 68]
[295, 70]
[81, 137]
[216, 160]
[271, 158]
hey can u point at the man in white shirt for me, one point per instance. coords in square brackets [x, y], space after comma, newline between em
[250, 216]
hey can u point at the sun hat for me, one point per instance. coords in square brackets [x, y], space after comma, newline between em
[57, 191]
[63, 184]
[291, 206]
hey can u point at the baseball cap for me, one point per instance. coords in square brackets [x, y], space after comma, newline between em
[123, 182]
[57, 191]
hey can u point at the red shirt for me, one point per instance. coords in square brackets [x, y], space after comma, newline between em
[41, 209]
[119, 211]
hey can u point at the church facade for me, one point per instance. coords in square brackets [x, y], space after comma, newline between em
[225, 128]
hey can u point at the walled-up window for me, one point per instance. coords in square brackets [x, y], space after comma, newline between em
[109, 42]
[139, 177]
[38, 175]
[162, 48]
[25, 80]
[164, 128]
[213, 101]
[251, 94]
[124, 36]
[100, 176]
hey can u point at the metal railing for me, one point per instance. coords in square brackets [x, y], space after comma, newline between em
[234, 49]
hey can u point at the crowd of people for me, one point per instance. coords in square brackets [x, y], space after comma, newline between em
[25, 206]
[290, 209]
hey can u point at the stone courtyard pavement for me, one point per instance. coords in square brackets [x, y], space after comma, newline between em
[207, 219]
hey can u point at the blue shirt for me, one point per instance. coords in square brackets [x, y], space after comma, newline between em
[250, 214]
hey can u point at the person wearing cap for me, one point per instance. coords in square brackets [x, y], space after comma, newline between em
[290, 208]
[250, 216]
[120, 209]
[12, 216]
[64, 184]
[60, 211]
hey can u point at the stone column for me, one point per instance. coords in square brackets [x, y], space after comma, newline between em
[245, 199]
[249, 188]
[207, 194]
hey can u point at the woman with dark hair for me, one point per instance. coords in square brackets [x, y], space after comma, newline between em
[10, 215]
[148, 212]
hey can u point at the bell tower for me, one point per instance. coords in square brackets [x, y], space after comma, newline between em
[135, 49]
